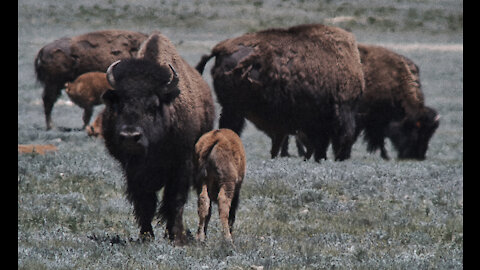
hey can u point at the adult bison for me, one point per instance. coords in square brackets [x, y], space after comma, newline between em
[306, 77]
[66, 58]
[158, 109]
[392, 106]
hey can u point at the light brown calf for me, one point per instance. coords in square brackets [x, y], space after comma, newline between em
[86, 92]
[221, 167]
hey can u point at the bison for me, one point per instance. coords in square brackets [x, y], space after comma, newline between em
[220, 162]
[392, 106]
[158, 109]
[86, 92]
[307, 77]
[63, 60]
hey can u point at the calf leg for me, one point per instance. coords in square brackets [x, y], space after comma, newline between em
[87, 115]
[233, 209]
[203, 212]
[224, 205]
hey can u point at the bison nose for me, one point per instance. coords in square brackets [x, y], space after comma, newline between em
[133, 134]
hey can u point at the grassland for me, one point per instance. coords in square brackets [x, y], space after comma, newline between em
[363, 213]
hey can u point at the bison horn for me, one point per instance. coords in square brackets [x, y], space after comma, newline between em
[437, 117]
[110, 78]
[172, 84]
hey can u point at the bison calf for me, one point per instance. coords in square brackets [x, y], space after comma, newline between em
[221, 161]
[95, 129]
[86, 92]
[65, 59]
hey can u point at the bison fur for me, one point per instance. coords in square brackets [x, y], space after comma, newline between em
[86, 92]
[220, 162]
[158, 109]
[63, 60]
[307, 78]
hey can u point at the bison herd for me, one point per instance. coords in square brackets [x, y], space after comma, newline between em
[311, 81]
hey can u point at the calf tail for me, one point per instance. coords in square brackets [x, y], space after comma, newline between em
[201, 65]
[202, 164]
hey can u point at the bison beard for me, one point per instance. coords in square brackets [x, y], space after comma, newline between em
[150, 129]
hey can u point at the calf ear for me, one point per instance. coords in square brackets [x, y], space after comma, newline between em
[109, 97]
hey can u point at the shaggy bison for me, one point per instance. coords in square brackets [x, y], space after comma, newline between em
[392, 106]
[158, 109]
[220, 163]
[65, 59]
[86, 92]
[307, 78]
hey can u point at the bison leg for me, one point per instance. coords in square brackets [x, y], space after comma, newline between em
[87, 115]
[344, 132]
[284, 150]
[231, 120]
[224, 205]
[144, 205]
[203, 212]
[277, 140]
[175, 197]
[49, 96]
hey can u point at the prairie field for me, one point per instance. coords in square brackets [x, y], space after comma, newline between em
[362, 213]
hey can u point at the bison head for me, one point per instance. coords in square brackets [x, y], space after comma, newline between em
[137, 110]
[411, 136]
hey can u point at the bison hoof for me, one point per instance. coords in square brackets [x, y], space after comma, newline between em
[147, 236]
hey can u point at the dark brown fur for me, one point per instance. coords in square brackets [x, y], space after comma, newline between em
[151, 126]
[86, 92]
[392, 105]
[307, 78]
[221, 164]
[65, 59]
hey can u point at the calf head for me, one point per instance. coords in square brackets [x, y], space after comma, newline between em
[411, 136]
[137, 114]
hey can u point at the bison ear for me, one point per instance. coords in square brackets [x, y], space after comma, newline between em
[109, 97]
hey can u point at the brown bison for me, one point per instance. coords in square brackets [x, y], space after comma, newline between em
[159, 108]
[65, 59]
[86, 92]
[220, 162]
[307, 78]
[392, 106]
[95, 129]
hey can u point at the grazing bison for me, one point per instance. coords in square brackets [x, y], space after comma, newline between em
[95, 129]
[159, 108]
[220, 163]
[65, 59]
[306, 77]
[86, 92]
[392, 105]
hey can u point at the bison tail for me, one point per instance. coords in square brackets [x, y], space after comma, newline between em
[201, 65]
[38, 67]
